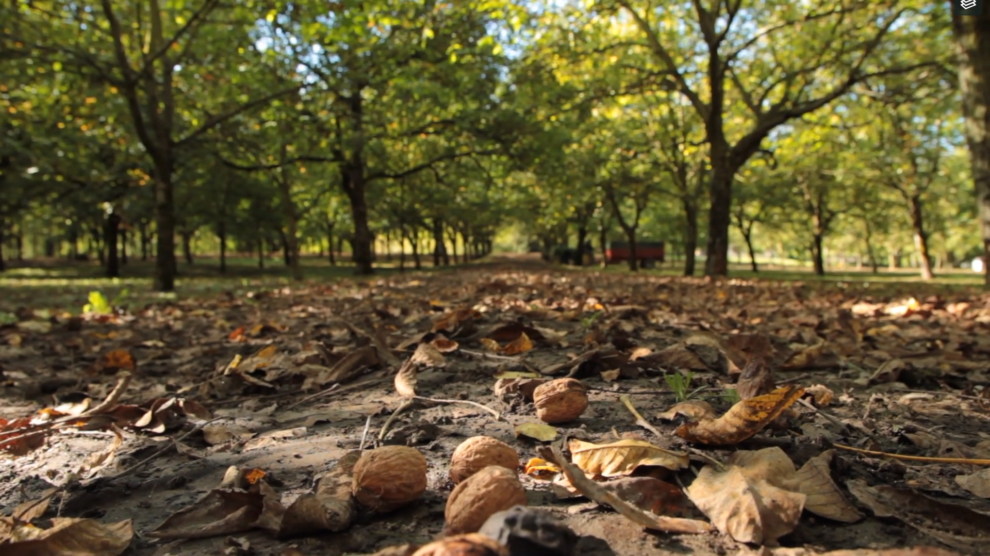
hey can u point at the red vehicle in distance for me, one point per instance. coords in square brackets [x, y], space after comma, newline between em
[648, 253]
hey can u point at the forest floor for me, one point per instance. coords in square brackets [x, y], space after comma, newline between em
[244, 375]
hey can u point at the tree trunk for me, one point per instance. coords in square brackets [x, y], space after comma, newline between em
[439, 247]
[748, 237]
[817, 257]
[291, 237]
[920, 237]
[123, 246]
[143, 238]
[261, 253]
[452, 236]
[690, 235]
[466, 239]
[973, 54]
[417, 261]
[186, 245]
[361, 240]
[719, 214]
[3, 262]
[222, 236]
[895, 259]
[631, 237]
[582, 237]
[330, 227]
[165, 266]
[97, 238]
[603, 243]
[110, 229]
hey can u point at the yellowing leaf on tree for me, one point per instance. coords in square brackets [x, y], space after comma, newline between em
[537, 431]
[743, 420]
[623, 457]
[90, 100]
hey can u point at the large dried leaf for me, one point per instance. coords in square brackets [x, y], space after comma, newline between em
[804, 358]
[599, 494]
[824, 497]
[350, 366]
[750, 511]
[536, 431]
[955, 526]
[220, 512]
[978, 483]
[330, 508]
[692, 409]
[522, 344]
[743, 420]
[67, 537]
[623, 457]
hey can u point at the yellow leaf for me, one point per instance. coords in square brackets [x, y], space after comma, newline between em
[517, 374]
[522, 344]
[90, 100]
[541, 470]
[491, 345]
[623, 457]
[538, 431]
[271, 16]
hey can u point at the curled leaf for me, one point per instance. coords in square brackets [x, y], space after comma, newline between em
[623, 457]
[743, 420]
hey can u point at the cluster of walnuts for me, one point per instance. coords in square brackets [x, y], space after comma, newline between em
[484, 469]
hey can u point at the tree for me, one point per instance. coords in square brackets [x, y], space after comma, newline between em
[806, 61]
[972, 34]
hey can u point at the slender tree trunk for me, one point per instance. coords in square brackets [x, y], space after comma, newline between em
[330, 227]
[466, 239]
[222, 236]
[417, 261]
[920, 237]
[97, 238]
[748, 237]
[402, 248]
[690, 235]
[439, 247]
[3, 238]
[631, 238]
[111, 226]
[143, 238]
[582, 237]
[261, 253]
[817, 257]
[290, 237]
[973, 53]
[452, 235]
[603, 243]
[361, 240]
[19, 243]
[186, 245]
[165, 267]
[895, 258]
[123, 245]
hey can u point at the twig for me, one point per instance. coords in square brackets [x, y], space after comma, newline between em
[466, 402]
[406, 405]
[835, 420]
[966, 461]
[489, 355]
[364, 435]
[113, 397]
[157, 453]
[797, 378]
[339, 390]
[639, 418]
[316, 395]
[943, 392]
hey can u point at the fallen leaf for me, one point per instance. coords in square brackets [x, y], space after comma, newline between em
[116, 360]
[804, 358]
[490, 345]
[537, 431]
[956, 526]
[814, 480]
[822, 395]
[67, 536]
[650, 494]
[219, 512]
[750, 511]
[623, 457]
[350, 366]
[541, 470]
[222, 434]
[330, 508]
[444, 345]
[611, 376]
[517, 374]
[692, 409]
[743, 420]
[522, 344]
[978, 483]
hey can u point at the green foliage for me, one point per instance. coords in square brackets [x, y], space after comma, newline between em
[679, 385]
[100, 305]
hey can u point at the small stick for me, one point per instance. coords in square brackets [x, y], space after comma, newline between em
[316, 395]
[364, 435]
[406, 404]
[797, 378]
[967, 461]
[639, 418]
[466, 402]
[113, 397]
[157, 453]
[489, 355]
[340, 390]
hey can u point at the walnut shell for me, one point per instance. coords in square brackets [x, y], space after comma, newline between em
[471, 544]
[561, 400]
[488, 491]
[479, 452]
[389, 477]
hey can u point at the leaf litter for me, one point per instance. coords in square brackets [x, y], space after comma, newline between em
[811, 419]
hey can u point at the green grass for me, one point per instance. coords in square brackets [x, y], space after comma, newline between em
[65, 286]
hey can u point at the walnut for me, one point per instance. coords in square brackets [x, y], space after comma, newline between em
[488, 491]
[561, 400]
[471, 544]
[479, 452]
[389, 477]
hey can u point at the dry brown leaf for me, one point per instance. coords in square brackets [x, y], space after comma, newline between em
[66, 536]
[522, 344]
[220, 512]
[116, 360]
[889, 372]
[623, 457]
[677, 356]
[350, 366]
[490, 345]
[330, 508]
[978, 483]
[444, 345]
[596, 492]
[743, 420]
[428, 356]
[956, 526]
[804, 358]
[750, 511]
[822, 394]
[221, 434]
[693, 409]
[756, 377]
[824, 497]
[611, 376]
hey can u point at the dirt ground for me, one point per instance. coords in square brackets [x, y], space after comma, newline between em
[907, 368]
